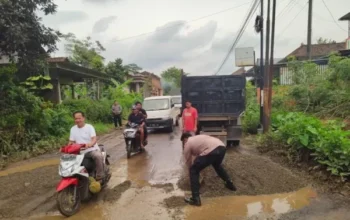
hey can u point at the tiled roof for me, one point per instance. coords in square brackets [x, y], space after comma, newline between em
[57, 59]
[345, 17]
[317, 50]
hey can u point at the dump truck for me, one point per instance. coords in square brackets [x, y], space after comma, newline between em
[220, 102]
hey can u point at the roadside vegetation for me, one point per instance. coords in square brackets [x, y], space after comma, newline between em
[29, 125]
[310, 120]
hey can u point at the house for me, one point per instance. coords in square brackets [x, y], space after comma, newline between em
[146, 82]
[65, 73]
[319, 55]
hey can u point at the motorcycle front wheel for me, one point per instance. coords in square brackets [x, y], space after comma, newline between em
[68, 202]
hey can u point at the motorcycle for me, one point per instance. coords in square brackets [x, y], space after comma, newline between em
[132, 139]
[77, 171]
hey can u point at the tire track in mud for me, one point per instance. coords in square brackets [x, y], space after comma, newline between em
[29, 192]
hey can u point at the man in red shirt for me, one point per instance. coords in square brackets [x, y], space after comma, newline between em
[189, 119]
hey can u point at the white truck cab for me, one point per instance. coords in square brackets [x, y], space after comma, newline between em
[161, 112]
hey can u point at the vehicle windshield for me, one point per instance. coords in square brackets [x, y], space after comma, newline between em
[156, 104]
[176, 100]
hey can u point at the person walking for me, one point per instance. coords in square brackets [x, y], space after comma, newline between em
[117, 115]
[200, 152]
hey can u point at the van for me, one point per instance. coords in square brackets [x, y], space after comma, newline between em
[161, 112]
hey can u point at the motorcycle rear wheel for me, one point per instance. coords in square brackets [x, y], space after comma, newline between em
[68, 209]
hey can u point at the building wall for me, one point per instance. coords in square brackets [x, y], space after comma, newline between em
[286, 76]
[156, 86]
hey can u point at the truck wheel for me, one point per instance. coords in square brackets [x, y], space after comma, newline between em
[235, 143]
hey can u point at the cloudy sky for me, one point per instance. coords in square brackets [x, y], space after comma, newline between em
[194, 35]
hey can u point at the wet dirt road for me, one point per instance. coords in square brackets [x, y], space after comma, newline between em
[152, 185]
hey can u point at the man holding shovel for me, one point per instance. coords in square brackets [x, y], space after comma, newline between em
[200, 152]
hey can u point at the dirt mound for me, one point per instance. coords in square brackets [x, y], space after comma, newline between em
[114, 194]
[174, 202]
[167, 187]
[20, 191]
[252, 174]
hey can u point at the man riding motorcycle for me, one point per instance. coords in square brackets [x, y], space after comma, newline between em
[83, 133]
[138, 118]
[142, 111]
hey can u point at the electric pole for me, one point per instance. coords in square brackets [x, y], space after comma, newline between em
[261, 78]
[266, 72]
[271, 68]
[309, 30]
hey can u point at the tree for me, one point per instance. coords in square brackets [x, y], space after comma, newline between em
[173, 76]
[116, 70]
[85, 52]
[325, 41]
[22, 36]
[132, 67]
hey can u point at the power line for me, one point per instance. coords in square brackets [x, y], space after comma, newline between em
[281, 12]
[325, 5]
[186, 22]
[253, 8]
[280, 34]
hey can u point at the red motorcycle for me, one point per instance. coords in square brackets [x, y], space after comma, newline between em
[76, 170]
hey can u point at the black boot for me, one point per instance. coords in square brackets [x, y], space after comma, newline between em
[194, 200]
[229, 185]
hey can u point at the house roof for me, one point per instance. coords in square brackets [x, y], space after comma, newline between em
[150, 74]
[240, 71]
[317, 50]
[345, 17]
[57, 59]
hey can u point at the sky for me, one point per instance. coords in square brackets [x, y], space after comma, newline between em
[193, 35]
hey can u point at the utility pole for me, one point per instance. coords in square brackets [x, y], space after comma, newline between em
[309, 30]
[261, 78]
[271, 68]
[266, 72]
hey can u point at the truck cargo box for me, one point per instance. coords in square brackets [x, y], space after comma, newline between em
[222, 95]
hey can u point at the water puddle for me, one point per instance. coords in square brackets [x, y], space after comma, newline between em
[29, 167]
[231, 207]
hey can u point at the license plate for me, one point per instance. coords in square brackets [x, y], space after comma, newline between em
[68, 157]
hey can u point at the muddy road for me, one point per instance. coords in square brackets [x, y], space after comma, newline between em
[152, 185]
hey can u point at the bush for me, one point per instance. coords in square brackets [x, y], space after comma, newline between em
[251, 118]
[327, 143]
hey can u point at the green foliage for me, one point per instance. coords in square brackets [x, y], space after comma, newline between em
[126, 99]
[132, 67]
[325, 94]
[38, 84]
[116, 70]
[22, 36]
[173, 76]
[251, 118]
[328, 143]
[85, 52]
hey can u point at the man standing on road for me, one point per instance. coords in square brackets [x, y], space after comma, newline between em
[144, 113]
[189, 119]
[200, 152]
[83, 133]
[117, 115]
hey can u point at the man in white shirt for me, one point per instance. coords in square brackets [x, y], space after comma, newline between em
[82, 133]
